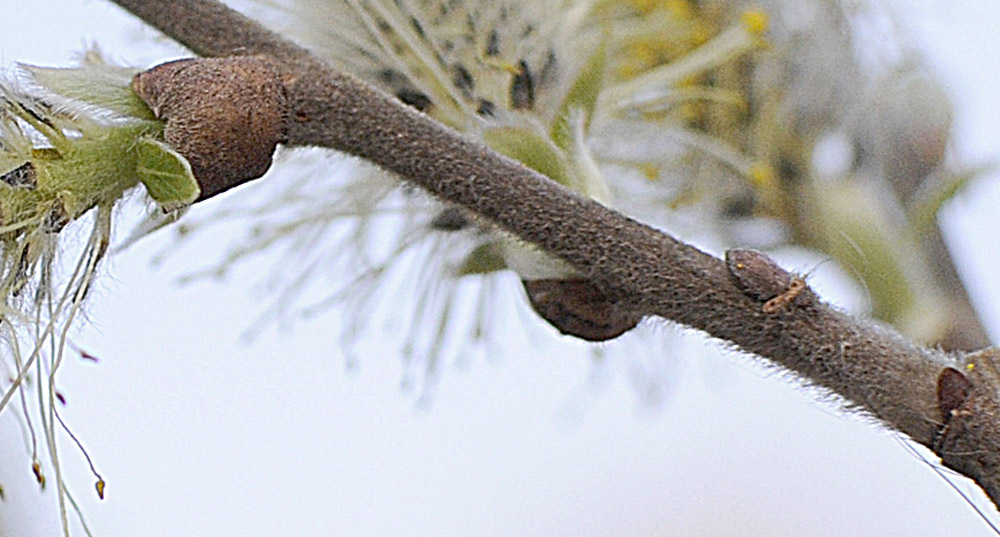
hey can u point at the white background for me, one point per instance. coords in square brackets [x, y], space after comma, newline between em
[197, 433]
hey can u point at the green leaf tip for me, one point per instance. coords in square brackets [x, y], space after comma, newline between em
[582, 96]
[484, 259]
[167, 175]
[533, 150]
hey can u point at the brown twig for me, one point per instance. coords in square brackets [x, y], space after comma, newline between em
[907, 387]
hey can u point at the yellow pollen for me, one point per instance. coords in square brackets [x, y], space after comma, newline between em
[503, 66]
[644, 5]
[680, 9]
[762, 175]
[755, 21]
[650, 171]
[701, 32]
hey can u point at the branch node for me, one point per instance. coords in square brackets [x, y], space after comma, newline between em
[952, 391]
[578, 308]
[760, 278]
[224, 115]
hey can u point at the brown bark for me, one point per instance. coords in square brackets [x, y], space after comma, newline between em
[946, 402]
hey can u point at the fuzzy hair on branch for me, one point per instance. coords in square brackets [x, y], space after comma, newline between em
[871, 367]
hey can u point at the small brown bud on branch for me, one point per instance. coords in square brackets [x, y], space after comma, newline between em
[762, 279]
[952, 389]
[224, 115]
[578, 308]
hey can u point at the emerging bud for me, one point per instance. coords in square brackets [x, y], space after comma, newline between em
[577, 308]
[224, 115]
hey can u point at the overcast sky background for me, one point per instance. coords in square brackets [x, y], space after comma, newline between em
[198, 433]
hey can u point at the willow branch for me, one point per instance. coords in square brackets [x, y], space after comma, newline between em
[947, 403]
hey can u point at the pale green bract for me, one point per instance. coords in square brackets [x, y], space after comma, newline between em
[166, 175]
[73, 144]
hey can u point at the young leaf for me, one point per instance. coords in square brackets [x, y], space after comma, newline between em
[167, 175]
[102, 85]
[532, 150]
[581, 96]
[484, 259]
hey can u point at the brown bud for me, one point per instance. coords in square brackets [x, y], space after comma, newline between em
[762, 279]
[952, 391]
[578, 308]
[224, 115]
[757, 274]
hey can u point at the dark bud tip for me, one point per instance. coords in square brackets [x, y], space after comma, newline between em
[952, 391]
[578, 308]
[450, 219]
[522, 88]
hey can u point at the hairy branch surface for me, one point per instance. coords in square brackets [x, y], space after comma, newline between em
[948, 403]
